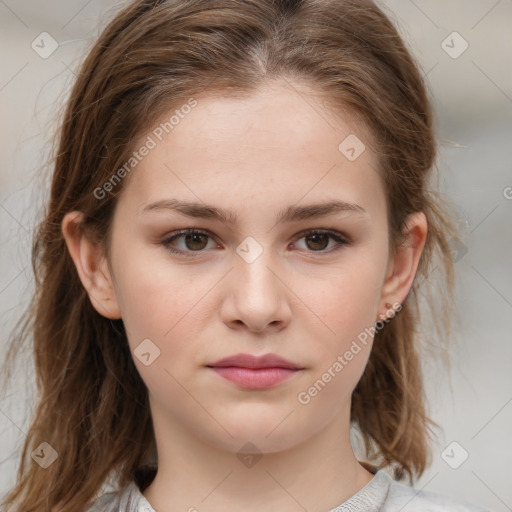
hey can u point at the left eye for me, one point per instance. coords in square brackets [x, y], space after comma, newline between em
[196, 241]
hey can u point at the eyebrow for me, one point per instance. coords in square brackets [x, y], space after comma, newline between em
[290, 214]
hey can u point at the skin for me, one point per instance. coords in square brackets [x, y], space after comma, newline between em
[254, 155]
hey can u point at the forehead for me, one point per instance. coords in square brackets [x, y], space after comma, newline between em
[276, 145]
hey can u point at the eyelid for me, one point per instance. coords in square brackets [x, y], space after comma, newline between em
[324, 231]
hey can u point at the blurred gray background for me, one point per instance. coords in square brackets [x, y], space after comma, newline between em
[465, 50]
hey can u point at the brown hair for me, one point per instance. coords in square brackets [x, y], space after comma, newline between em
[92, 406]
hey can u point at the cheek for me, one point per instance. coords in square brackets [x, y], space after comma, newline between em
[154, 298]
[157, 313]
[347, 302]
[342, 352]
[166, 304]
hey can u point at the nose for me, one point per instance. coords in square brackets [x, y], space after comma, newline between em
[257, 296]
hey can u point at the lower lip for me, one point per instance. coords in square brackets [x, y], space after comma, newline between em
[254, 378]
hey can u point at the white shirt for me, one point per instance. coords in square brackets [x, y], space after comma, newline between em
[380, 494]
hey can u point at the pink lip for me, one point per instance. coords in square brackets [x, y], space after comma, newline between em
[250, 361]
[254, 372]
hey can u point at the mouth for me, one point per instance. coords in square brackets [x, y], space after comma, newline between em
[256, 362]
[254, 378]
[255, 372]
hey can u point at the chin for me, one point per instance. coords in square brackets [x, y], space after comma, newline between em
[265, 436]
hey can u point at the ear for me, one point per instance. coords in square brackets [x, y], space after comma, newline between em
[91, 265]
[404, 262]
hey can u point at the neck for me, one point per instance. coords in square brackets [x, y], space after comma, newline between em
[195, 474]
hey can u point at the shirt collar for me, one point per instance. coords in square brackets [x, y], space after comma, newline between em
[370, 498]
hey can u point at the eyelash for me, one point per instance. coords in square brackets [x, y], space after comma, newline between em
[341, 240]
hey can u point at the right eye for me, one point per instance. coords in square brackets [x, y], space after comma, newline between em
[194, 240]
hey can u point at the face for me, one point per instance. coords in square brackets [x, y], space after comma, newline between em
[256, 281]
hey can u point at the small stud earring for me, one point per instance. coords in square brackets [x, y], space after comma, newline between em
[384, 316]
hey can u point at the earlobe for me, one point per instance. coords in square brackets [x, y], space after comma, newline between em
[404, 263]
[91, 266]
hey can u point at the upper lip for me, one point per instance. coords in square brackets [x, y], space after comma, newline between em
[250, 361]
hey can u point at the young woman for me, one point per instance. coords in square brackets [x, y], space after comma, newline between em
[240, 220]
